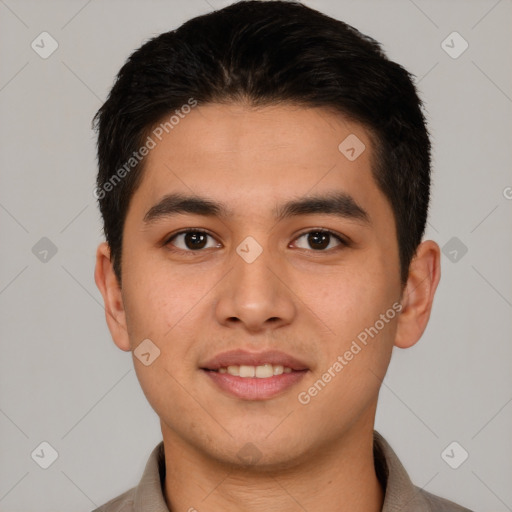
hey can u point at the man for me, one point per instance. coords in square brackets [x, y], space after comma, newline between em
[264, 175]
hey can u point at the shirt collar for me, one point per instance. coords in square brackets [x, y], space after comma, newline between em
[400, 492]
[149, 494]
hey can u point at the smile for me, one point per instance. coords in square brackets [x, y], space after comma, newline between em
[251, 375]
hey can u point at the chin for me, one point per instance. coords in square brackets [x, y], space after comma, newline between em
[259, 458]
[263, 452]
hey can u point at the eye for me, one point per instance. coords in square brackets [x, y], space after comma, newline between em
[319, 240]
[192, 240]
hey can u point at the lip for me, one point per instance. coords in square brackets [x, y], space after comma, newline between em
[244, 357]
[254, 388]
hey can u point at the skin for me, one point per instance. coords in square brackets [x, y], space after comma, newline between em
[308, 303]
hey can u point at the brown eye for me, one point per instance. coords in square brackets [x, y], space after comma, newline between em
[195, 240]
[319, 240]
[192, 240]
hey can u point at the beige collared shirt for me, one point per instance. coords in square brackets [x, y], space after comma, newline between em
[400, 496]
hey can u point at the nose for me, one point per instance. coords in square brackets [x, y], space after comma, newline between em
[255, 296]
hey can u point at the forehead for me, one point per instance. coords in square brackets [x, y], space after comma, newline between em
[241, 155]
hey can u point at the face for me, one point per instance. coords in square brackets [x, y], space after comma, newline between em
[262, 262]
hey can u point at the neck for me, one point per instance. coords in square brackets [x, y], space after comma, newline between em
[335, 478]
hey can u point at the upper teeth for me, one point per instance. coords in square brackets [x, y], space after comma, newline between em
[261, 372]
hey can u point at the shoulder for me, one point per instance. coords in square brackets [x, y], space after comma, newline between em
[123, 503]
[438, 504]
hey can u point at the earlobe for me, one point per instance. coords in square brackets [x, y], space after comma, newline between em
[107, 282]
[418, 295]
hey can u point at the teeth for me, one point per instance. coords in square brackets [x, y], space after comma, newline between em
[234, 370]
[247, 371]
[278, 369]
[261, 372]
[265, 371]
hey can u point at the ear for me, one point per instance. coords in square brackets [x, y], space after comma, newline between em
[418, 295]
[108, 285]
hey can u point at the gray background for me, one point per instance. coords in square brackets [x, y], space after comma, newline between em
[63, 381]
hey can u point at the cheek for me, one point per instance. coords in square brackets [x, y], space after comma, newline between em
[152, 307]
[356, 354]
[349, 299]
[357, 307]
[161, 307]
[157, 297]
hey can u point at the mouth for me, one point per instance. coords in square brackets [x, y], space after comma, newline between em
[254, 376]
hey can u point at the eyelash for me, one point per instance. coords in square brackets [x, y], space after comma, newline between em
[343, 242]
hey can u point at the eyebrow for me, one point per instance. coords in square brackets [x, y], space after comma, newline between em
[335, 203]
[173, 204]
